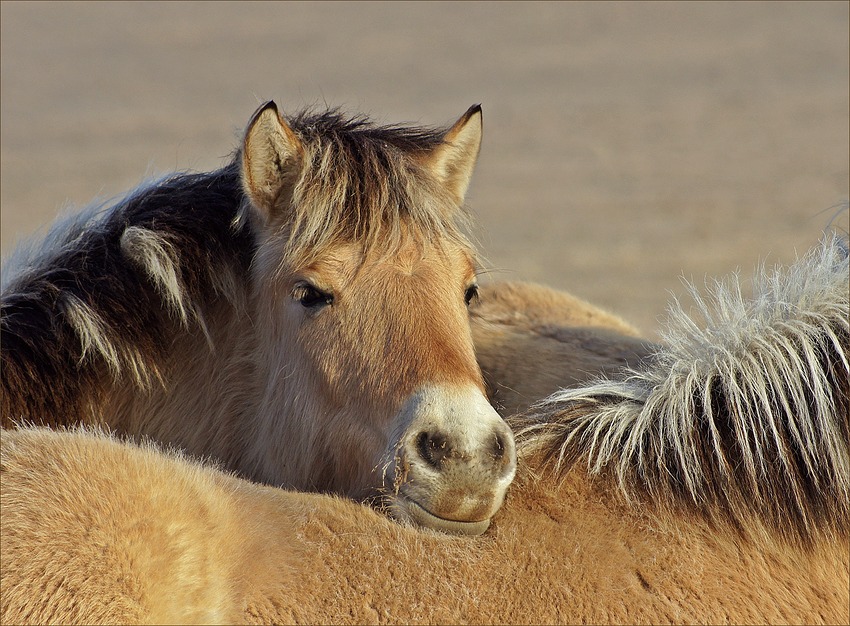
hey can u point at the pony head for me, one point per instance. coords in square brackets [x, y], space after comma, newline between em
[362, 278]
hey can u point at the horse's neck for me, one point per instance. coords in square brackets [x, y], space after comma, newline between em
[192, 394]
[205, 395]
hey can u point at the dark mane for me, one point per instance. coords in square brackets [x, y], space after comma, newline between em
[357, 129]
[88, 303]
[744, 423]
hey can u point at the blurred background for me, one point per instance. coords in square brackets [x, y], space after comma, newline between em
[625, 145]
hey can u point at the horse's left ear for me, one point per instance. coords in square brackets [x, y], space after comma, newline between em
[453, 160]
[271, 159]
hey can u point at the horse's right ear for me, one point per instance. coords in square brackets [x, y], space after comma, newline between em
[271, 157]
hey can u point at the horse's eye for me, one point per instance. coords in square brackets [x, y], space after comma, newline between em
[310, 297]
[470, 294]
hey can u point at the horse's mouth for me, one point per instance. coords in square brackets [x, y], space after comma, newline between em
[423, 517]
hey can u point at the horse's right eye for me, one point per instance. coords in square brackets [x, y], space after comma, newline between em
[310, 297]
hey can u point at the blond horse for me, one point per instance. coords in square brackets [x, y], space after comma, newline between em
[637, 500]
[299, 315]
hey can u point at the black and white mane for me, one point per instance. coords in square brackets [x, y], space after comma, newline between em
[106, 291]
[742, 417]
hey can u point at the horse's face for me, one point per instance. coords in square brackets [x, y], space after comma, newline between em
[371, 383]
[380, 349]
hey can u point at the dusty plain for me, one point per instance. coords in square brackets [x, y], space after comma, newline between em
[626, 145]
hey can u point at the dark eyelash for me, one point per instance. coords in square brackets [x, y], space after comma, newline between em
[311, 297]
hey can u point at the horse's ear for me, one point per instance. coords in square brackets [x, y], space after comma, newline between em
[453, 160]
[271, 157]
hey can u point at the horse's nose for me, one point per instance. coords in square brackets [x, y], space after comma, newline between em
[455, 462]
[442, 451]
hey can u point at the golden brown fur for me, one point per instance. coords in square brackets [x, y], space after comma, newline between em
[154, 539]
[171, 541]
[310, 295]
[532, 340]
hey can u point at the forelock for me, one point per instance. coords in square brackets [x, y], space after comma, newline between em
[363, 183]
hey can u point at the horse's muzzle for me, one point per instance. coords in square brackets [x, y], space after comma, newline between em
[454, 463]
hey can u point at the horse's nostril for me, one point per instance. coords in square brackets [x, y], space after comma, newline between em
[433, 448]
[499, 447]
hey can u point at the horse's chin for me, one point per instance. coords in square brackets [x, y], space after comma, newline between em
[408, 509]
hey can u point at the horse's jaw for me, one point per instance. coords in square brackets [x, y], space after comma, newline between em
[453, 462]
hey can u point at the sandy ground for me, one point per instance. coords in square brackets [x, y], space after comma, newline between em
[625, 145]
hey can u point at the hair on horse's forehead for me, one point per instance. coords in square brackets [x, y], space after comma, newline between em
[412, 257]
[334, 125]
[362, 183]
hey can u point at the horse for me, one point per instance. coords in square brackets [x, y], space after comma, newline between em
[531, 341]
[708, 483]
[299, 315]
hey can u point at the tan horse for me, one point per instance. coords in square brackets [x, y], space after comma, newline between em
[532, 341]
[300, 315]
[627, 507]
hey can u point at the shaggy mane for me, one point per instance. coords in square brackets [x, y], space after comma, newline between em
[744, 421]
[363, 182]
[106, 290]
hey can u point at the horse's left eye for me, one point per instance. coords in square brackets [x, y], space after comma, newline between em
[470, 294]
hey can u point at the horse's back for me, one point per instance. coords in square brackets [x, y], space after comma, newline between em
[95, 530]
[98, 530]
[531, 341]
